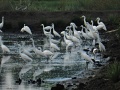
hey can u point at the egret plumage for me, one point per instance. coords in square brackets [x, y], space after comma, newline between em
[2, 23]
[5, 49]
[55, 32]
[26, 29]
[101, 25]
[24, 56]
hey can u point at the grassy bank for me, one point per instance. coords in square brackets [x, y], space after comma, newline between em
[59, 5]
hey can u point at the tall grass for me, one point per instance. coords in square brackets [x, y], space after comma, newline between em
[59, 5]
[113, 71]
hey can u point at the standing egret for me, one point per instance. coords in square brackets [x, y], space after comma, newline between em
[47, 27]
[5, 49]
[94, 27]
[37, 51]
[52, 45]
[101, 46]
[76, 34]
[2, 23]
[47, 33]
[84, 20]
[86, 57]
[101, 25]
[69, 43]
[27, 29]
[73, 24]
[84, 34]
[24, 56]
[54, 32]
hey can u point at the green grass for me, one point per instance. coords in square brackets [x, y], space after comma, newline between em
[113, 71]
[60, 5]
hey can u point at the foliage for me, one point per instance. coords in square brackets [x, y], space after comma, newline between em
[59, 5]
[113, 71]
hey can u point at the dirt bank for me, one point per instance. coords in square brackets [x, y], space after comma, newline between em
[14, 20]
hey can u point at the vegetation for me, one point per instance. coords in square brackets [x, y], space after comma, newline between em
[59, 5]
[113, 71]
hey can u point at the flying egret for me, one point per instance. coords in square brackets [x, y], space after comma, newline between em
[27, 29]
[2, 23]
[5, 49]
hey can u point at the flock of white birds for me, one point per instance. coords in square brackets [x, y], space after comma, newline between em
[73, 40]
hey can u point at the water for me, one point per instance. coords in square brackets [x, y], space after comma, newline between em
[63, 66]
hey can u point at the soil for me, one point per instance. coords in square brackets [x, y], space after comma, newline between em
[14, 21]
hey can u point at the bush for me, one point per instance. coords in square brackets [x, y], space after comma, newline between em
[113, 71]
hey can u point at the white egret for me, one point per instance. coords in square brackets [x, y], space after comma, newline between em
[94, 33]
[52, 45]
[47, 53]
[76, 34]
[24, 56]
[5, 49]
[75, 40]
[54, 32]
[2, 23]
[47, 33]
[27, 29]
[101, 46]
[69, 43]
[101, 25]
[84, 34]
[55, 41]
[37, 51]
[47, 27]
[85, 56]
[94, 27]
[84, 20]
[26, 50]
[73, 24]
